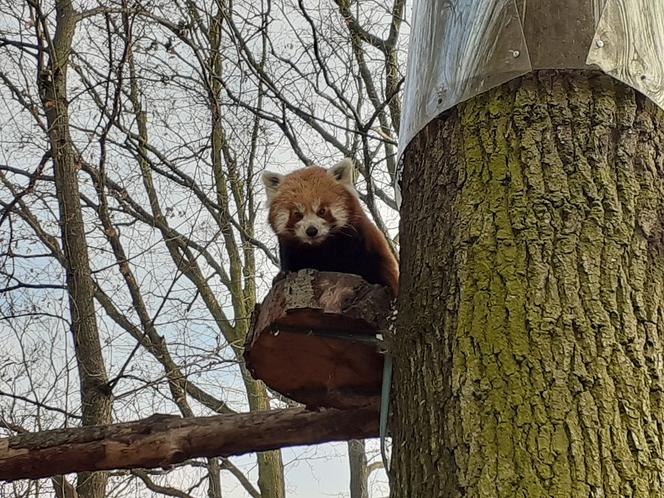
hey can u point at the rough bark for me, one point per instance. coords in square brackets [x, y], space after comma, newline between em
[163, 440]
[270, 464]
[359, 473]
[95, 393]
[528, 342]
[214, 478]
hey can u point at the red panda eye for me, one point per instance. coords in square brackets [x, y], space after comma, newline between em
[322, 211]
[298, 216]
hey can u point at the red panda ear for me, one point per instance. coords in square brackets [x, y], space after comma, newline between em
[343, 172]
[271, 181]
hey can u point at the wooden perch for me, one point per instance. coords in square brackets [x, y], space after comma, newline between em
[163, 440]
[314, 339]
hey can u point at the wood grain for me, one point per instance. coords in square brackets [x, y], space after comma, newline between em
[163, 440]
[598, 8]
[458, 50]
[629, 45]
[313, 339]
[558, 33]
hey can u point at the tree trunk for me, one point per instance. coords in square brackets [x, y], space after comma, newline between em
[95, 393]
[270, 464]
[214, 478]
[528, 347]
[359, 473]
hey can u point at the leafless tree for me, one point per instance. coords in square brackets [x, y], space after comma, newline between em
[132, 133]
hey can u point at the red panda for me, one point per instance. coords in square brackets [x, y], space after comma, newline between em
[320, 224]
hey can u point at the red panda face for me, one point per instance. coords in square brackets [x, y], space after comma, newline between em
[311, 223]
[311, 203]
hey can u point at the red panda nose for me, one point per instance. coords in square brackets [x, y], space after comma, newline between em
[312, 231]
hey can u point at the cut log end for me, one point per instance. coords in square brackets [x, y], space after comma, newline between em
[313, 339]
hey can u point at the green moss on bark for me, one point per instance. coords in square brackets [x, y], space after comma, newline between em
[528, 346]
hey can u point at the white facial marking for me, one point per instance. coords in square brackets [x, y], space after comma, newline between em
[310, 220]
[340, 214]
[281, 221]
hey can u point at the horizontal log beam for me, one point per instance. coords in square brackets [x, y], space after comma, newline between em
[163, 440]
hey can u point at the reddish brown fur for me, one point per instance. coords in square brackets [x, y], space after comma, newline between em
[356, 247]
[308, 185]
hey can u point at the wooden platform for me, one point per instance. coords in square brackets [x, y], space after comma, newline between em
[313, 339]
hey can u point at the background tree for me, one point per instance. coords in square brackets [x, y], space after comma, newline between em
[165, 112]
